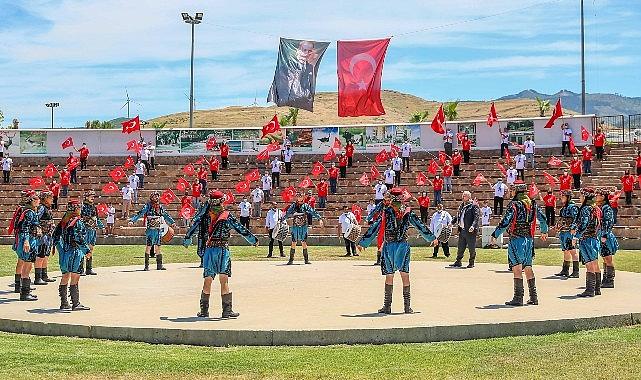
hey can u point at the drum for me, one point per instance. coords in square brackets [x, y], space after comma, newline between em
[445, 234]
[281, 231]
[166, 233]
[353, 233]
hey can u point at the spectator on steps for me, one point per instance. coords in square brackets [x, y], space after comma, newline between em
[111, 219]
[505, 141]
[73, 171]
[447, 176]
[586, 152]
[224, 154]
[457, 158]
[84, 154]
[424, 206]
[7, 163]
[379, 191]
[520, 165]
[499, 196]
[529, 146]
[127, 195]
[140, 172]
[349, 152]
[144, 157]
[257, 201]
[65, 180]
[486, 214]
[245, 212]
[54, 187]
[276, 168]
[550, 207]
[288, 155]
[214, 166]
[134, 182]
[397, 163]
[599, 143]
[575, 169]
[266, 181]
[321, 189]
[567, 135]
[186, 200]
[565, 181]
[406, 151]
[637, 162]
[389, 176]
[333, 179]
[437, 185]
[448, 138]
[511, 175]
[202, 178]
[342, 165]
[627, 182]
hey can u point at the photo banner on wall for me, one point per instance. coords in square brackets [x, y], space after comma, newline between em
[294, 82]
[33, 142]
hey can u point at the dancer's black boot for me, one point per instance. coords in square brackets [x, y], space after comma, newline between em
[228, 312]
[146, 261]
[565, 271]
[590, 284]
[534, 298]
[64, 297]
[75, 299]
[38, 277]
[406, 300]
[204, 305]
[89, 270]
[159, 265]
[517, 300]
[387, 302]
[575, 270]
[597, 284]
[16, 283]
[306, 256]
[292, 251]
[25, 290]
[45, 275]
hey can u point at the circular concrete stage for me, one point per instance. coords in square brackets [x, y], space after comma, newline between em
[319, 304]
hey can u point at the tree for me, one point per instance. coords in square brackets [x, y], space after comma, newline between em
[544, 106]
[418, 117]
[449, 109]
[291, 118]
[157, 125]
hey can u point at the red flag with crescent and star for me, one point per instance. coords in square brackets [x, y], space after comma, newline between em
[374, 173]
[133, 145]
[492, 117]
[253, 175]
[110, 188]
[182, 184]
[421, 179]
[168, 196]
[229, 198]
[438, 121]
[381, 157]
[117, 173]
[433, 167]
[337, 143]
[364, 180]
[288, 194]
[360, 68]
[585, 135]
[533, 191]
[573, 149]
[211, 143]
[50, 170]
[480, 178]
[393, 151]
[73, 163]
[556, 113]
[263, 155]
[271, 127]
[131, 125]
[272, 147]
[501, 168]
[36, 182]
[129, 162]
[553, 161]
[102, 209]
[318, 169]
[358, 212]
[187, 211]
[442, 157]
[549, 179]
[330, 155]
[243, 187]
[189, 170]
[68, 143]
[305, 183]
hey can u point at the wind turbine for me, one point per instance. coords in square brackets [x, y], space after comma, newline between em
[128, 102]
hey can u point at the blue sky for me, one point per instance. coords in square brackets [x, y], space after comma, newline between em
[85, 53]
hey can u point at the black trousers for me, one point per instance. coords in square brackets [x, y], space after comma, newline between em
[271, 244]
[343, 171]
[288, 167]
[397, 178]
[147, 166]
[276, 179]
[424, 214]
[55, 203]
[504, 148]
[498, 205]
[448, 148]
[350, 245]
[244, 221]
[224, 161]
[466, 156]
[466, 240]
[577, 181]
[406, 163]
[83, 164]
[550, 215]
[446, 248]
[599, 152]
[153, 162]
[5, 175]
[203, 184]
[520, 173]
[565, 144]
[349, 161]
[628, 197]
[74, 176]
[457, 170]
[214, 175]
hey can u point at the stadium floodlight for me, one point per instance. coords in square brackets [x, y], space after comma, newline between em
[186, 16]
[52, 105]
[193, 21]
[199, 16]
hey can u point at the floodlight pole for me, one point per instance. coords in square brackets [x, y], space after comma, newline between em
[582, 61]
[193, 21]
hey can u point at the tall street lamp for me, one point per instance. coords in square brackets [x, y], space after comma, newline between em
[193, 21]
[52, 106]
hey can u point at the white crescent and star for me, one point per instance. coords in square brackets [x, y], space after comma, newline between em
[362, 57]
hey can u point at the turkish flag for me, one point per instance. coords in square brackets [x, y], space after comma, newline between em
[573, 149]
[406, 194]
[36, 182]
[263, 155]
[318, 169]
[129, 162]
[433, 167]
[501, 168]
[67, 143]
[421, 179]
[337, 143]
[110, 188]
[189, 170]
[131, 125]
[556, 113]
[478, 180]
[243, 187]
[518, 146]
[253, 175]
[553, 161]
[374, 173]
[394, 150]
[229, 198]
[533, 191]
[182, 184]
[305, 183]
[438, 121]
[102, 209]
[585, 135]
[442, 157]
[200, 160]
[358, 212]
[272, 147]
[211, 143]
[330, 155]
[364, 180]
[492, 117]
[73, 163]
[167, 196]
[271, 127]
[288, 194]
[381, 157]
[117, 173]
[187, 211]
[550, 179]
[133, 145]
[360, 68]
[50, 170]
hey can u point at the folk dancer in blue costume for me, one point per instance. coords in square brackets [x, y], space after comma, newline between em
[395, 218]
[27, 232]
[567, 215]
[153, 211]
[586, 235]
[25, 199]
[200, 223]
[609, 243]
[371, 216]
[217, 258]
[89, 214]
[69, 240]
[299, 210]
[519, 220]
[45, 217]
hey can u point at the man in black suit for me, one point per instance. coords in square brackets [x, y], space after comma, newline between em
[468, 222]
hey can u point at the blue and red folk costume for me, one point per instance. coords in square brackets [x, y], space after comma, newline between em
[609, 243]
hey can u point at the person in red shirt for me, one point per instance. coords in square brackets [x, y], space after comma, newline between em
[424, 206]
[214, 165]
[550, 207]
[202, 178]
[586, 152]
[575, 169]
[437, 184]
[333, 179]
[565, 180]
[84, 154]
[342, 164]
[637, 163]
[186, 200]
[466, 145]
[310, 199]
[349, 152]
[599, 143]
[447, 176]
[456, 161]
[65, 179]
[54, 187]
[71, 164]
[628, 185]
[321, 189]
[614, 203]
[224, 154]
[196, 190]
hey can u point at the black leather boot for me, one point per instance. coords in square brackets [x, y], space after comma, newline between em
[378, 258]
[89, 270]
[64, 297]
[608, 282]
[406, 300]
[565, 271]
[38, 277]
[25, 290]
[159, 265]
[534, 298]
[456, 264]
[575, 270]
[306, 256]
[16, 283]
[517, 300]
[387, 302]
[75, 299]
[204, 305]
[597, 284]
[45, 275]
[590, 284]
[227, 307]
[146, 262]
[292, 251]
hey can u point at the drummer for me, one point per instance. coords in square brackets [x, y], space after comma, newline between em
[153, 213]
[346, 222]
[272, 222]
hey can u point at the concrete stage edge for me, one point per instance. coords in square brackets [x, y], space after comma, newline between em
[301, 305]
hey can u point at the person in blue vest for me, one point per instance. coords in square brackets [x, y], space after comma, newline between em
[519, 219]
[69, 240]
[217, 258]
[395, 218]
[27, 232]
[153, 212]
[299, 210]
[89, 214]
[586, 237]
[13, 231]
[200, 223]
[45, 245]
[567, 215]
[609, 243]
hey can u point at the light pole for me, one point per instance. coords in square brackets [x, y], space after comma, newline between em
[193, 21]
[52, 106]
[582, 62]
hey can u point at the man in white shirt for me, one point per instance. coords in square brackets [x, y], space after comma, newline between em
[529, 146]
[288, 153]
[448, 137]
[257, 200]
[133, 183]
[3, 147]
[7, 163]
[245, 212]
[144, 157]
[499, 195]
[140, 172]
[266, 181]
[271, 221]
[406, 150]
[127, 193]
[440, 224]
[505, 141]
[567, 135]
[486, 213]
[370, 207]
[511, 175]
[152, 156]
[276, 166]
[345, 220]
[111, 219]
[389, 177]
[379, 192]
[397, 163]
[520, 165]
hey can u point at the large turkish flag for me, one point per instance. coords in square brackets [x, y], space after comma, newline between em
[360, 67]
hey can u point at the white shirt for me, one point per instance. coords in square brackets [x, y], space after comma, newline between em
[511, 176]
[144, 154]
[345, 220]
[370, 207]
[245, 208]
[520, 161]
[111, 215]
[257, 195]
[271, 220]
[529, 146]
[499, 189]
[2, 145]
[485, 215]
[140, 168]
[134, 181]
[288, 154]
[380, 190]
[567, 134]
[439, 220]
[397, 162]
[505, 138]
[276, 166]
[406, 149]
[127, 193]
[448, 137]
[6, 163]
[389, 176]
[152, 151]
[267, 182]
